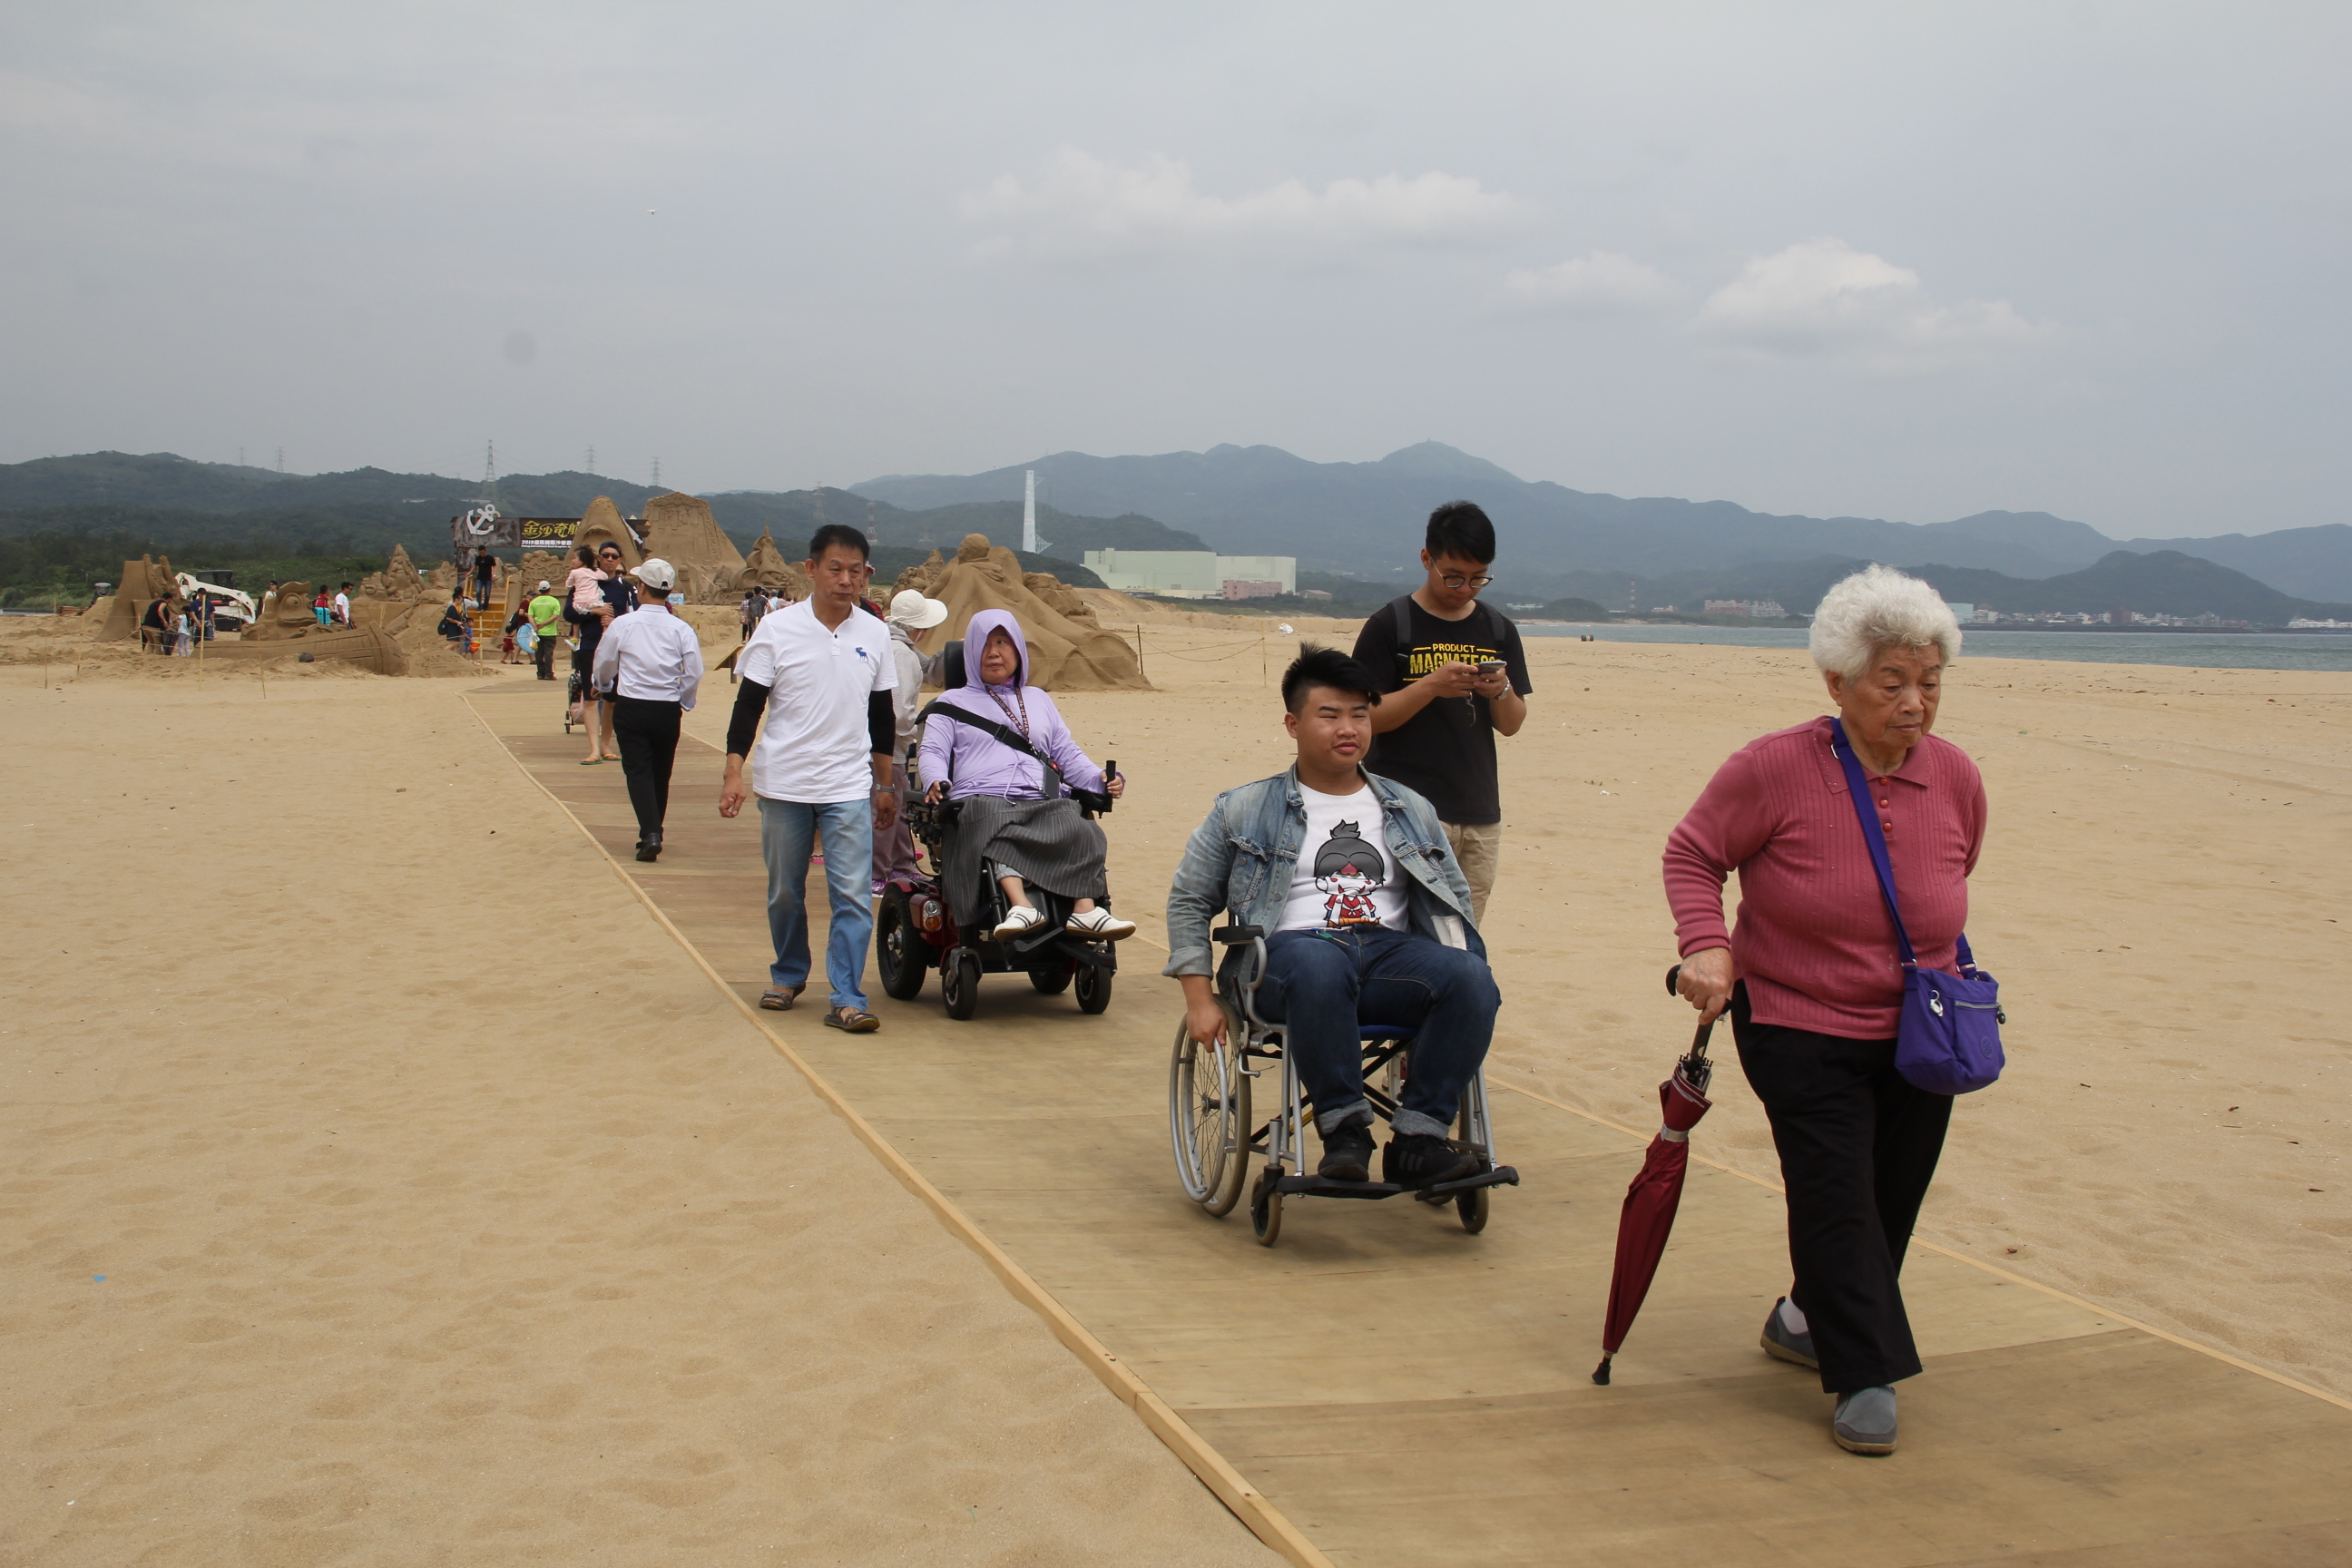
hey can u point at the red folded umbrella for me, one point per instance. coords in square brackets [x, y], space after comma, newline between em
[1648, 1216]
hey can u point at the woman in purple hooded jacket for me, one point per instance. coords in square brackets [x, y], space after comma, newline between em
[1007, 816]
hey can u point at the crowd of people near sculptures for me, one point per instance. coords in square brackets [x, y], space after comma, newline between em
[1370, 863]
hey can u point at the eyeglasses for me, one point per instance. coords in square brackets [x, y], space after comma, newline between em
[1454, 580]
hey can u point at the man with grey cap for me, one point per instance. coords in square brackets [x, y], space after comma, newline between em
[652, 663]
[910, 613]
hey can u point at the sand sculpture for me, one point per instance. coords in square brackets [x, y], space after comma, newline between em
[544, 565]
[443, 581]
[142, 582]
[680, 530]
[602, 521]
[399, 582]
[1067, 652]
[287, 615]
[767, 568]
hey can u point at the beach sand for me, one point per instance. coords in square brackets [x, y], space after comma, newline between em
[447, 1213]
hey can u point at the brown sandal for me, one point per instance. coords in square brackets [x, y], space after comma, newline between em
[776, 1000]
[852, 1021]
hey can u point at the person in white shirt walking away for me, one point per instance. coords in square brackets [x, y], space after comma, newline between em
[821, 673]
[652, 663]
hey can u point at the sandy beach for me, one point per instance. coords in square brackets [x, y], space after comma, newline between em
[384, 1184]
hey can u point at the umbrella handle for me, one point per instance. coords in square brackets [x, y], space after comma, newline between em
[1698, 1040]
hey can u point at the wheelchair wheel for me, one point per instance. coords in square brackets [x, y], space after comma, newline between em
[1053, 979]
[899, 952]
[1266, 1206]
[1094, 988]
[1208, 1121]
[1471, 1206]
[960, 986]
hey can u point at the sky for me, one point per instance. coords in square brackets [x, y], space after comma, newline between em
[1912, 262]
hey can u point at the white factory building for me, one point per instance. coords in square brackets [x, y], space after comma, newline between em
[1194, 574]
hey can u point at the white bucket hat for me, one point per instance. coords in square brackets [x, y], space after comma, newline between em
[911, 609]
[656, 573]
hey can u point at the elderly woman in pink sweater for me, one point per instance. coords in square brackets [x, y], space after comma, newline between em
[1812, 977]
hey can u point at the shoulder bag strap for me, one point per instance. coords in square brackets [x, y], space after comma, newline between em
[1051, 776]
[1400, 611]
[1858, 787]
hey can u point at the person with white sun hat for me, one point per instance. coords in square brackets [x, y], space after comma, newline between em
[911, 612]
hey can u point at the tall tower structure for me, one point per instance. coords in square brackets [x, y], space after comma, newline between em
[1029, 517]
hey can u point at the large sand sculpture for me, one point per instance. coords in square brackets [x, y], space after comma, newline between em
[399, 582]
[602, 521]
[767, 568]
[287, 616]
[1067, 651]
[142, 582]
[680, 530]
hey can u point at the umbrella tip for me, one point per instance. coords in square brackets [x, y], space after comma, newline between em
[1601, 1372]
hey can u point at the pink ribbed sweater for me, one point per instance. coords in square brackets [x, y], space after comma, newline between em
[1814, 942]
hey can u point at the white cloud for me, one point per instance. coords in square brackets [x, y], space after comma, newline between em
[1825, 300]
[1599, 283]
[1079, 207]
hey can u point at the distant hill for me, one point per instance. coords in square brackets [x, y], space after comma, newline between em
[1367, 519]
[793, 515]
[2165, 582]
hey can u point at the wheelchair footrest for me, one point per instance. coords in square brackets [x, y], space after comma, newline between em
[1316, 1186]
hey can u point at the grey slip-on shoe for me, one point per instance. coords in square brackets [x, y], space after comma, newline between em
[1778, 1344]
[1865, 1421]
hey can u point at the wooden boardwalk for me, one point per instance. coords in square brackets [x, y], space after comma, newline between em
[1397, 1392]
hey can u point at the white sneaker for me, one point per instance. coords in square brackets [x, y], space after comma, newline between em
[1102, 925]
[1022, 918]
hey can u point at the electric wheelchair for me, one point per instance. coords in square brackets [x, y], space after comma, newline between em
[1209, 1111]
[914, 929]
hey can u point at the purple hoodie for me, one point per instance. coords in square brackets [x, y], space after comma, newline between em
[975, 764]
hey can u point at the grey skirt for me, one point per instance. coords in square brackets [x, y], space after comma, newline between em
[1045, 843]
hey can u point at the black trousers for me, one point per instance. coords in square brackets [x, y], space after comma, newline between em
[647, 731]
[1858, 1146]
[543, 655]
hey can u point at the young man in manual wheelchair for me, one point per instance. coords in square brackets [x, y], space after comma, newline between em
[1016, 879]
[1351, 956]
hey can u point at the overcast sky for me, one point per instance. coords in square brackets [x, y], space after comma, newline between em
[1899, 261]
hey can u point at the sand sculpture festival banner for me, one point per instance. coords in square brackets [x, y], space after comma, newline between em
[483, 525]
[546, 532]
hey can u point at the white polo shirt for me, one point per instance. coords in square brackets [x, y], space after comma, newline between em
[813, 746]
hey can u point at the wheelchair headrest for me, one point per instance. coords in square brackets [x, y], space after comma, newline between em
[951, 666]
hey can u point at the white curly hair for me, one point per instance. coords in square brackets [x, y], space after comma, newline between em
[1873, 610]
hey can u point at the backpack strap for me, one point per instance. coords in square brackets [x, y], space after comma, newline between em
[1050, 779]
[1490, 623]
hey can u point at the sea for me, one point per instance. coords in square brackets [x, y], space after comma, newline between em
[2194, 650]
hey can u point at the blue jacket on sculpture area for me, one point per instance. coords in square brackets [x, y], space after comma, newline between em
[1243, 855]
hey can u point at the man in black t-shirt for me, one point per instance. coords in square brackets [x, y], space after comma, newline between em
[1455, 674]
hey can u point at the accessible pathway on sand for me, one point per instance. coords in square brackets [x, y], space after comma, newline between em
[1382, 1388]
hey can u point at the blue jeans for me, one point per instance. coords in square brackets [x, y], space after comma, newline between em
[789, 829]
[1320, 984]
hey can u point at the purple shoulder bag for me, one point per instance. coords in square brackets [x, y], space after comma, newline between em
[1950, 1039]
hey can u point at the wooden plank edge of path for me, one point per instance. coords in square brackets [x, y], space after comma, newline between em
[1261, 1517]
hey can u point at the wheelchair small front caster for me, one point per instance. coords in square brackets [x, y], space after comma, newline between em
[960, 985]
[1471, 1206]
[1266, 1206]
[1094, 988]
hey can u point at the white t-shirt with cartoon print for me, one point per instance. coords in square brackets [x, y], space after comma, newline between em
[1345, 876]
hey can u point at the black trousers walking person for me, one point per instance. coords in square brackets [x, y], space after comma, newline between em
[647, 731]
[544, 654]
[1858, 1146]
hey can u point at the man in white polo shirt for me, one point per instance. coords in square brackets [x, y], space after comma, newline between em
[821, 673]
[652, 663]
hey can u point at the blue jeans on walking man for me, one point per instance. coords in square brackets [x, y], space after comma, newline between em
[789, 830]
[1321, 984]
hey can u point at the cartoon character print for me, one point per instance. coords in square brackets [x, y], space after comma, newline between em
[1347, 869]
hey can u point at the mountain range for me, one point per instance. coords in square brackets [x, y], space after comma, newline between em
[1366, 518]
[1355, 528]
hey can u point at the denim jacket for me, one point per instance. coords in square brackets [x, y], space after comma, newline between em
[1243, 855]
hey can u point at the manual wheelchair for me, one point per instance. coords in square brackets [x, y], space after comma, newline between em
[1209, 1112]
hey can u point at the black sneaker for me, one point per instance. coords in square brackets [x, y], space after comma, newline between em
[1423, 1160]
[1346, 1154]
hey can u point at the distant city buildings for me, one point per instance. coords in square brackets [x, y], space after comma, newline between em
[1194, 574]
[1754, 609]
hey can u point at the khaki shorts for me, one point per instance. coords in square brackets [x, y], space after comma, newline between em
[1475, 849]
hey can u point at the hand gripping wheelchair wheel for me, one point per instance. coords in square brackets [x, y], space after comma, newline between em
[1209, 1119]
